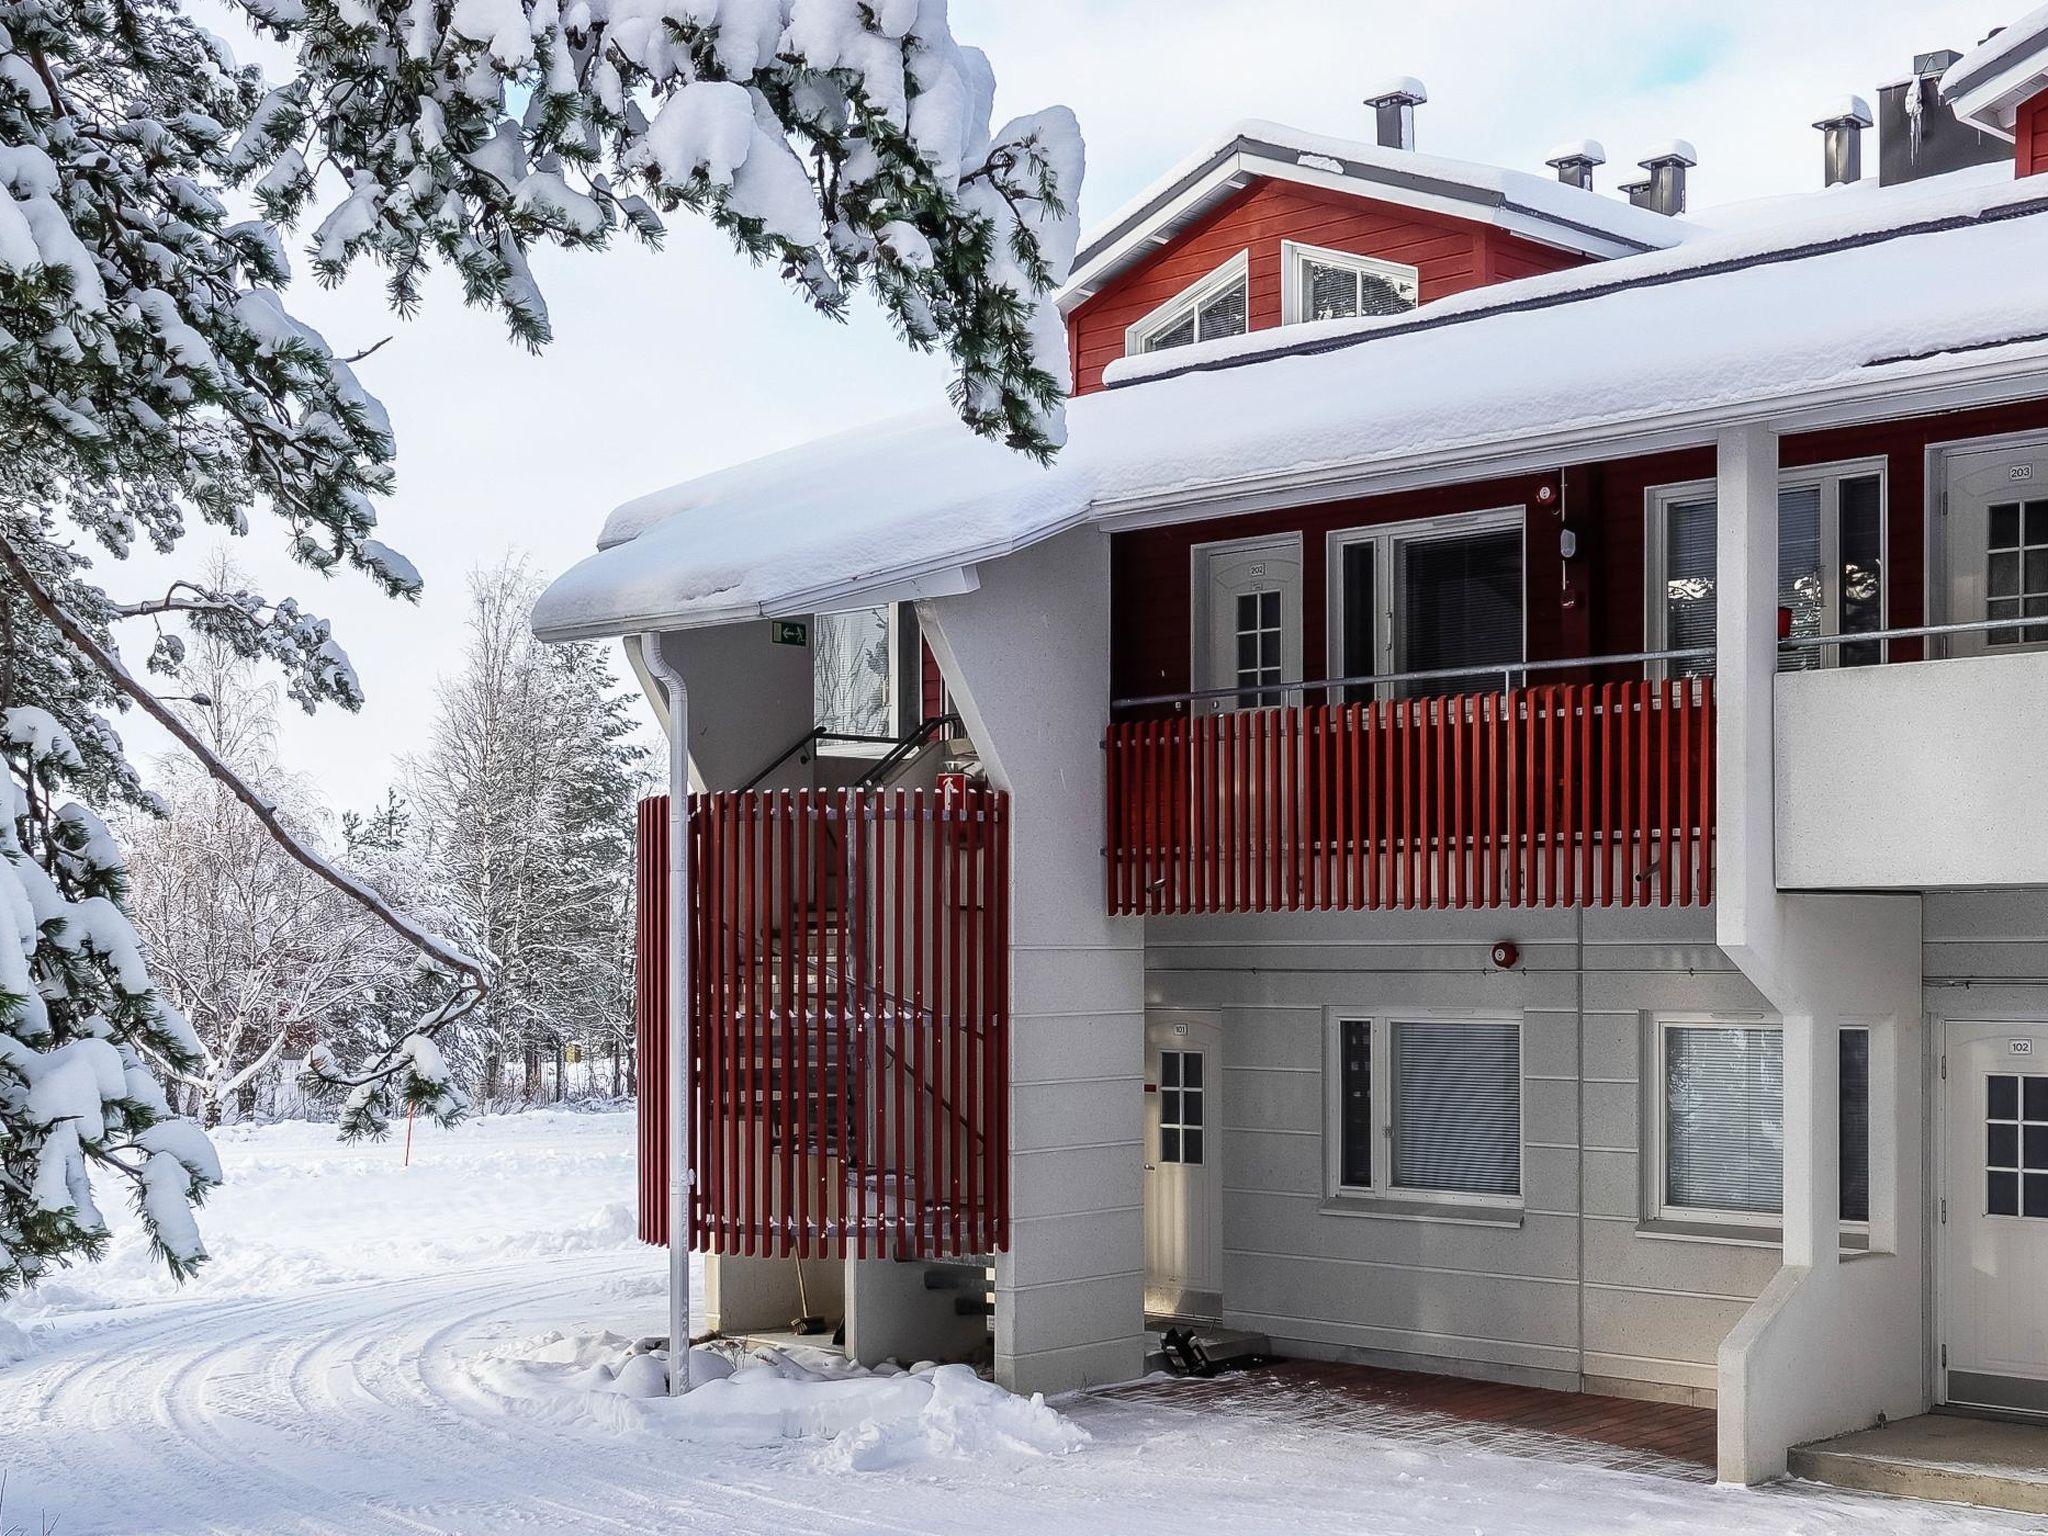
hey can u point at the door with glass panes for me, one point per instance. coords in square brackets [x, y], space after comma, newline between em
[1995, 543]
[1831, 562]
[1248, 622]
[1993, 1221]
[1183, 1176]
[1441, 596]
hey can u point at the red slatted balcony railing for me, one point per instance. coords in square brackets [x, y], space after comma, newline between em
[1568, 795]
[849, 1022]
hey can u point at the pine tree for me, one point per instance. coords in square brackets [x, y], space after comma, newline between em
[152, 377]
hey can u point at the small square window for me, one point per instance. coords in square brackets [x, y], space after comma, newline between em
[2036, 1098]
[1169, 1146]
[2036, 1148]
[2005, 526]
[2002, 1094]
[2001, 1146]
[2001, 1194]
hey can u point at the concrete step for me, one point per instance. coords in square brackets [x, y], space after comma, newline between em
[1946, 1457]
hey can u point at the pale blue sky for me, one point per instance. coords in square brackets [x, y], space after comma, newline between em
[671, 364]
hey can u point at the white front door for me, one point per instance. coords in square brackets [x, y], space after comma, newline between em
[1248, 620]
[1994, 1340]
[1995, 543]
[1183, 1172]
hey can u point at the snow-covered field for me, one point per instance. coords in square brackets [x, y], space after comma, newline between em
[370, 1352]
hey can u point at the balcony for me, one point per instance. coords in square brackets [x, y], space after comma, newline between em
[1913, 776]
[1575, 794]
[849, 1018]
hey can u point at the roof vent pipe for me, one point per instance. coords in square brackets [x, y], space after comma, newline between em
[1844, 127]
[1575, 163]
[1393, 106]
[1667, 165]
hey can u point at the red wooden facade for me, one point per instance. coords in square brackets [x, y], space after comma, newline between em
[1590, 795]
[1449, 254]
[849, 1021]
[2031, 129]
[1591, 605]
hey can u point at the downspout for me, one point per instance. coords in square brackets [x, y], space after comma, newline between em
[680, 1174]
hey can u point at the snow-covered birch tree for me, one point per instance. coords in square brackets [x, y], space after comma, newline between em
[152, 377]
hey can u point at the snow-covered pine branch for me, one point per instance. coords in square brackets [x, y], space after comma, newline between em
[848, 141]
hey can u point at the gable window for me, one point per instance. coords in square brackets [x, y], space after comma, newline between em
[1442, 594]
[1320, 284]
[1217, 306]
[1830, 566]
[853, 675]
[1722, 1111]
[1441, 1096]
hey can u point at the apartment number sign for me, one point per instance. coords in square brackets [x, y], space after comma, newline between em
[2020, 1047]
[2019, 472]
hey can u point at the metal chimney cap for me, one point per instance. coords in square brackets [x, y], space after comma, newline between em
[1401, 91]
[1849, 112]
[1584, 152]
[1675, 152]
[1935, 63]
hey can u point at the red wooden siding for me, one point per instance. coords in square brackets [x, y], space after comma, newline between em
[2031, 129]
[650, 1015]
[1588, 795]
[849, 1024]
[931, 685]
[1152, 569]
[1450, 255]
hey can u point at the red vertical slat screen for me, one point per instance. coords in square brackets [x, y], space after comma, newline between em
[1574, 795]
[849, 1025]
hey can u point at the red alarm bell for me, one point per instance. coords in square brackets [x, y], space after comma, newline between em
[1505, 954]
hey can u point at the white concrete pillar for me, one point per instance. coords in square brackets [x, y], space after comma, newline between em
[1027, 660]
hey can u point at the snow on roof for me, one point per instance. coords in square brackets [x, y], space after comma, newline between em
[1395, 87]
[873, 513]
[1680, 150]
[1988, 82]
[1539, 205]
[1846, 109]
[1578, 149]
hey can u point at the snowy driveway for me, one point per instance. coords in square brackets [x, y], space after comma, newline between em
[322, 1379]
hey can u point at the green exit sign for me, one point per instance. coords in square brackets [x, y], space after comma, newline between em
[792, 632]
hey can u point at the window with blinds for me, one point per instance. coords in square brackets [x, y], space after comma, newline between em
[1460, 603]
[1216, 307]
[1339, 285]
[1854, 1110]
[1457, 1107]
[1724, 1119]
[1354, 1104]
[1830, 570]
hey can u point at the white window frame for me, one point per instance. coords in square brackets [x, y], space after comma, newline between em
[1380, 1047]
[1656, 1145]
[897, 634]
[1295, 258]
[1390, 538]
[1657, 502]
[1138, 337]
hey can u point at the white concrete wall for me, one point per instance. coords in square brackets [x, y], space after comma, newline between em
[1582, 1287]
[1829, 1346]
[1904, 777]
[1027, 660]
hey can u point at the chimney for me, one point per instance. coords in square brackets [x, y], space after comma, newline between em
[1918, 135]
[1665, 191]
[1575, 163]
[1393, 106]
[1844, 127]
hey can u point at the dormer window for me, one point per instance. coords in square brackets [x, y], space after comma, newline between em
[1217, 306]
[1323, 284]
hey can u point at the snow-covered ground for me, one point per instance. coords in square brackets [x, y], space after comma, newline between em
[369, 1353]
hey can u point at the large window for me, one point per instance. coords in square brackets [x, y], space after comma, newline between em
[853, 673]
[1321, 284]
[1447, 1108]
[1830, 566]
[1423, 597]
[1722, 1102]
[1217, 306]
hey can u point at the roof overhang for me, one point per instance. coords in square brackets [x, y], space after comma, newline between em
[1988, 87]
[1154, 222]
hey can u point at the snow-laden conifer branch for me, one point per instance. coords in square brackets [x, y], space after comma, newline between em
[116, 672]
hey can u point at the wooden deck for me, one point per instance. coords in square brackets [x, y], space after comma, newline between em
[1616, 1434]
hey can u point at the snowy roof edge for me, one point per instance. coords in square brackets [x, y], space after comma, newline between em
[2020, 51]
[2013, 370]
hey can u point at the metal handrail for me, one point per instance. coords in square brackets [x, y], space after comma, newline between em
[1509, 671]
[912, 744]
[1505, 671]
[816, 733]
